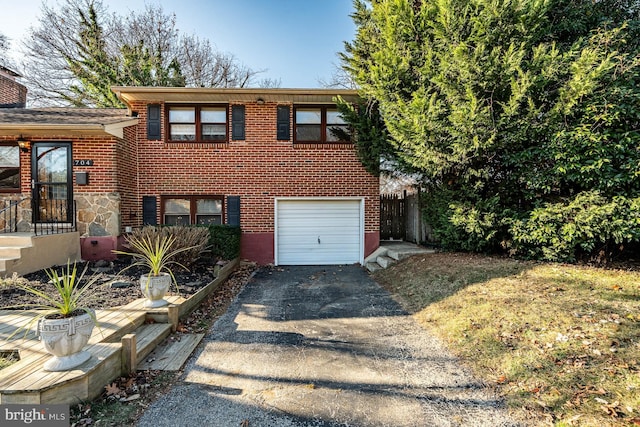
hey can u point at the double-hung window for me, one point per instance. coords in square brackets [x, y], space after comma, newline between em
[202, 123]
[320, 125]
[186, 210]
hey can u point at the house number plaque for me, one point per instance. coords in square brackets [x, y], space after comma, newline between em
[83, 162]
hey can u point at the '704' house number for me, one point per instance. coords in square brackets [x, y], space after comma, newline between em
[83, 162]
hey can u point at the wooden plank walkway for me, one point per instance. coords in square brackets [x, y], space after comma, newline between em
[25, 381]
[30, 383]
[171, 357]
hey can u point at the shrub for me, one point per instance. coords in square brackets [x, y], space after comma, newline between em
[462, 225]
[587, 226]
[224, 241]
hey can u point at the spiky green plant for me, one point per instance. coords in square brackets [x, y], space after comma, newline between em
[153, 252]
[68, 299]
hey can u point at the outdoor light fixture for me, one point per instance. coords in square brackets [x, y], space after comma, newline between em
[260, 101]
[23, 144]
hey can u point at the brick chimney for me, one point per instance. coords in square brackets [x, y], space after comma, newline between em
[12, 93]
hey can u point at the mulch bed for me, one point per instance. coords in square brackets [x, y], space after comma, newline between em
[112, 288]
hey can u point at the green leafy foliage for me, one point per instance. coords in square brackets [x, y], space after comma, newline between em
[589, 223]
[97, 70]
[369, 133]
[224, 241]
[504, 107]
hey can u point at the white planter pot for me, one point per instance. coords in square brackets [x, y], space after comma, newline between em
[65, 339]
[154, 288]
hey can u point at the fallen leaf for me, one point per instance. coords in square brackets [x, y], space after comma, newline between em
[112, 389]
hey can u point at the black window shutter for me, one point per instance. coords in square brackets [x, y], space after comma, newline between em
[153, 122]
[149, 210]
[237, 123]
[283, 122]
[233, 210]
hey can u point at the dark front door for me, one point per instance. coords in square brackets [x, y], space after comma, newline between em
[51, 182]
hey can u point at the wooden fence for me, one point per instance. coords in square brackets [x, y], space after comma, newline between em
[392, 217]
[401, 218]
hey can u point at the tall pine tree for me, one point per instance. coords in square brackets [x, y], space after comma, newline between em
[507, 107]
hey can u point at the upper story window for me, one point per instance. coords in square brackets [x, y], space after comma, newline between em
[198, 123]
[319, 124]
[9, 168]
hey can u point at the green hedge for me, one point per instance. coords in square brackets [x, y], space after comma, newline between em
[224, 241]
[589, 226]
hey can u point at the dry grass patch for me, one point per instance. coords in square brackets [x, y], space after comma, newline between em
[561, 342]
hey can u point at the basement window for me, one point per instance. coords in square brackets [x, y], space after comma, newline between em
[187, 210]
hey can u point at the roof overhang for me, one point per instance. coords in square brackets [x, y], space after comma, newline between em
[131, 94]
[48, 129]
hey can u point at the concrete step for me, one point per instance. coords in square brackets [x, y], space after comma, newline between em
[385, 261]
[373, 267]
[12, 249]
[10, 252]
[400, 254]
[37, 252]
[20, 240]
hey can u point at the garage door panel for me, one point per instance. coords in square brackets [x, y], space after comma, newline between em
[337, 223]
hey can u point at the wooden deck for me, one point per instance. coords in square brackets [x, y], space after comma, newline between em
[121, 339]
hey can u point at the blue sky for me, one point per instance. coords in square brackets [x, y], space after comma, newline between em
[296, 41]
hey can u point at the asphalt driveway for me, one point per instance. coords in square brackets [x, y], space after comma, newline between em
[322, 346]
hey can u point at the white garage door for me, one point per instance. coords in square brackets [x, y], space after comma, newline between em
[313, 232]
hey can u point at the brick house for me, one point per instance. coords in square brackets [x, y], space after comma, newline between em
[12, 93]
[264, 159]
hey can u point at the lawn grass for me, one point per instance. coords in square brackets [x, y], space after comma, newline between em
[560, 342]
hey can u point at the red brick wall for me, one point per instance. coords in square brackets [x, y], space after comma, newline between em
[257, 169]
[102, 150]
[12, 93]
[103, 177]
[127, 176]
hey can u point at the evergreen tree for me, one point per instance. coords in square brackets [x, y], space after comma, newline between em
[93, 67]
[507, 107]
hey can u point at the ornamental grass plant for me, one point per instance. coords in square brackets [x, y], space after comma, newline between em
[71, 297]
[154, 249]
